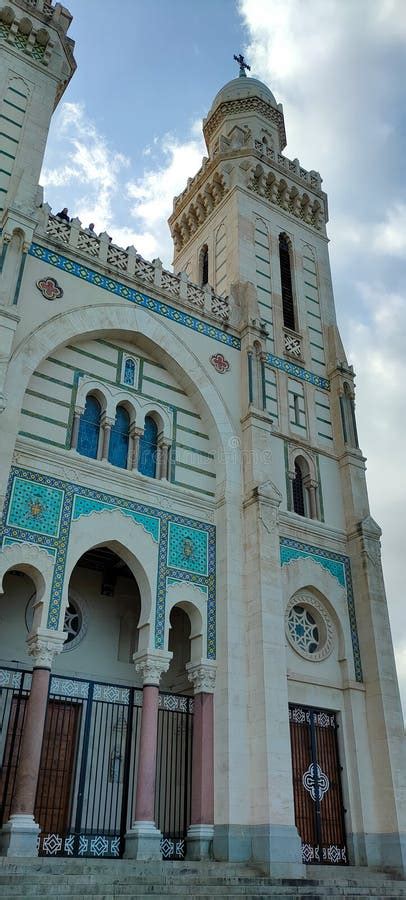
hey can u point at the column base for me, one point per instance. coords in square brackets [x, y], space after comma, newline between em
[143, 841]
[19, 836]
[199, 841]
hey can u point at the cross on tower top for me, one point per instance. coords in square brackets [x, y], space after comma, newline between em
[242, 64]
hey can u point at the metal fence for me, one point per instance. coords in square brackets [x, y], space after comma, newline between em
[89, 760]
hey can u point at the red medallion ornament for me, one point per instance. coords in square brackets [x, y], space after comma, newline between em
[49, 288]
[219, 362]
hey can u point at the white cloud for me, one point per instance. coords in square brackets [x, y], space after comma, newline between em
[95, 174]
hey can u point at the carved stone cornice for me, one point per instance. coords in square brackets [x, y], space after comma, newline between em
[202, 675]
[244, 105]
[43, 645]
[151, 664]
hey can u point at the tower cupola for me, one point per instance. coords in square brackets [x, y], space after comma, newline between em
[244, 106]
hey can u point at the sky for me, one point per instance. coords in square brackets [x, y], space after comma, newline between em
[127, 135]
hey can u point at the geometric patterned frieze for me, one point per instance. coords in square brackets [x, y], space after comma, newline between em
[39, 510]
[339, 567]
[187, 549]
[35, 507]
[127, 293]
[167, 311]
[84, 506]
[297, 371]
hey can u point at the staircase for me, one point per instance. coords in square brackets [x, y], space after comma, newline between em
[112, 879]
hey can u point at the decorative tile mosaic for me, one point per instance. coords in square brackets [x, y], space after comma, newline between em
[84, 506]
[284, 366]
[127, 293]
[203, 535]
[8, 541]
[339, 566]
[35, 507]
[187, 549]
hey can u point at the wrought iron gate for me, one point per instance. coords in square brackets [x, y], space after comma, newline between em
[86, 787]
[319, 808]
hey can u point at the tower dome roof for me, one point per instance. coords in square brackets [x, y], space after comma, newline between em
[242, 89]
[244, 95]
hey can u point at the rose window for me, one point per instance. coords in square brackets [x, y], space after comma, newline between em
[303, 629]
[308, 627]
[73, 621]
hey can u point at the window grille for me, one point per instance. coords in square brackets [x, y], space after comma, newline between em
[148, 448]
[286, 283]
[119, 438]
[89, 428]
[298, 492]
[129, 372]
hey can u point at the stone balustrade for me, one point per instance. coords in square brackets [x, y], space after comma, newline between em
[312, 178]
[131, 264]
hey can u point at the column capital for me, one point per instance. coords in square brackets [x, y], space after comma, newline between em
[151, 664]
[202, 675]
[43, 645]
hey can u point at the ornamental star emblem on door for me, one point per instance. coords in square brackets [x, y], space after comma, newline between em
[315, 781]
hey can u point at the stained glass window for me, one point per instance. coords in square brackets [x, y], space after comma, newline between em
[119, 438]
[148, 448]
[129, 371]
[89, 428]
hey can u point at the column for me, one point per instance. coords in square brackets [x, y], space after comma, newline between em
[311, 489]
[75, 428]
[143, 841]
[136, 435]
[163, 458]
[201, 828]
[19, 835]
[106, 431]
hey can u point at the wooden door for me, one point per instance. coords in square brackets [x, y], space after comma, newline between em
[52, 804]
[316, 770]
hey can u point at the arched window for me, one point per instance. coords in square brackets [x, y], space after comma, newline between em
[148, 448]
[129, 371]
[119, 438]
[298, 491]
[204, 265]
[89, 428]
[286, 282]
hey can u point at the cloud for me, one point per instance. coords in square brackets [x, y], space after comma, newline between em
[100, 190]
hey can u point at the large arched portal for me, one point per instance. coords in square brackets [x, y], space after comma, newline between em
[89, 764]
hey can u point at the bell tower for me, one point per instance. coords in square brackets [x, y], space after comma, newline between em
[37, 63]
[251, 224]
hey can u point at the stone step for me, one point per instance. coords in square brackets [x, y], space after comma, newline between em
[277, 895]
[86, 889]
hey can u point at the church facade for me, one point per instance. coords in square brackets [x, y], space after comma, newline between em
[195, 653]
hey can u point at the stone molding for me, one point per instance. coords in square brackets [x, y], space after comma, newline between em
[151, 664]
[202, 675]
[44, 645]
[245, 105]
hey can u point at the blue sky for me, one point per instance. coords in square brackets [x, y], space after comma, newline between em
[127, 135]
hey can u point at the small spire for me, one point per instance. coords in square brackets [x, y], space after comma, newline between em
[243, 65]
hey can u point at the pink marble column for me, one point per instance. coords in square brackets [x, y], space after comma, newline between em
[31, 744]
[201, 828]
[145, 794]
[143, 840]
[19, 835]
[202, 812]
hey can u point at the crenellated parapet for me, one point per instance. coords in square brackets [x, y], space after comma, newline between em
[282, 190]
[32, 33]
[100, 249]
